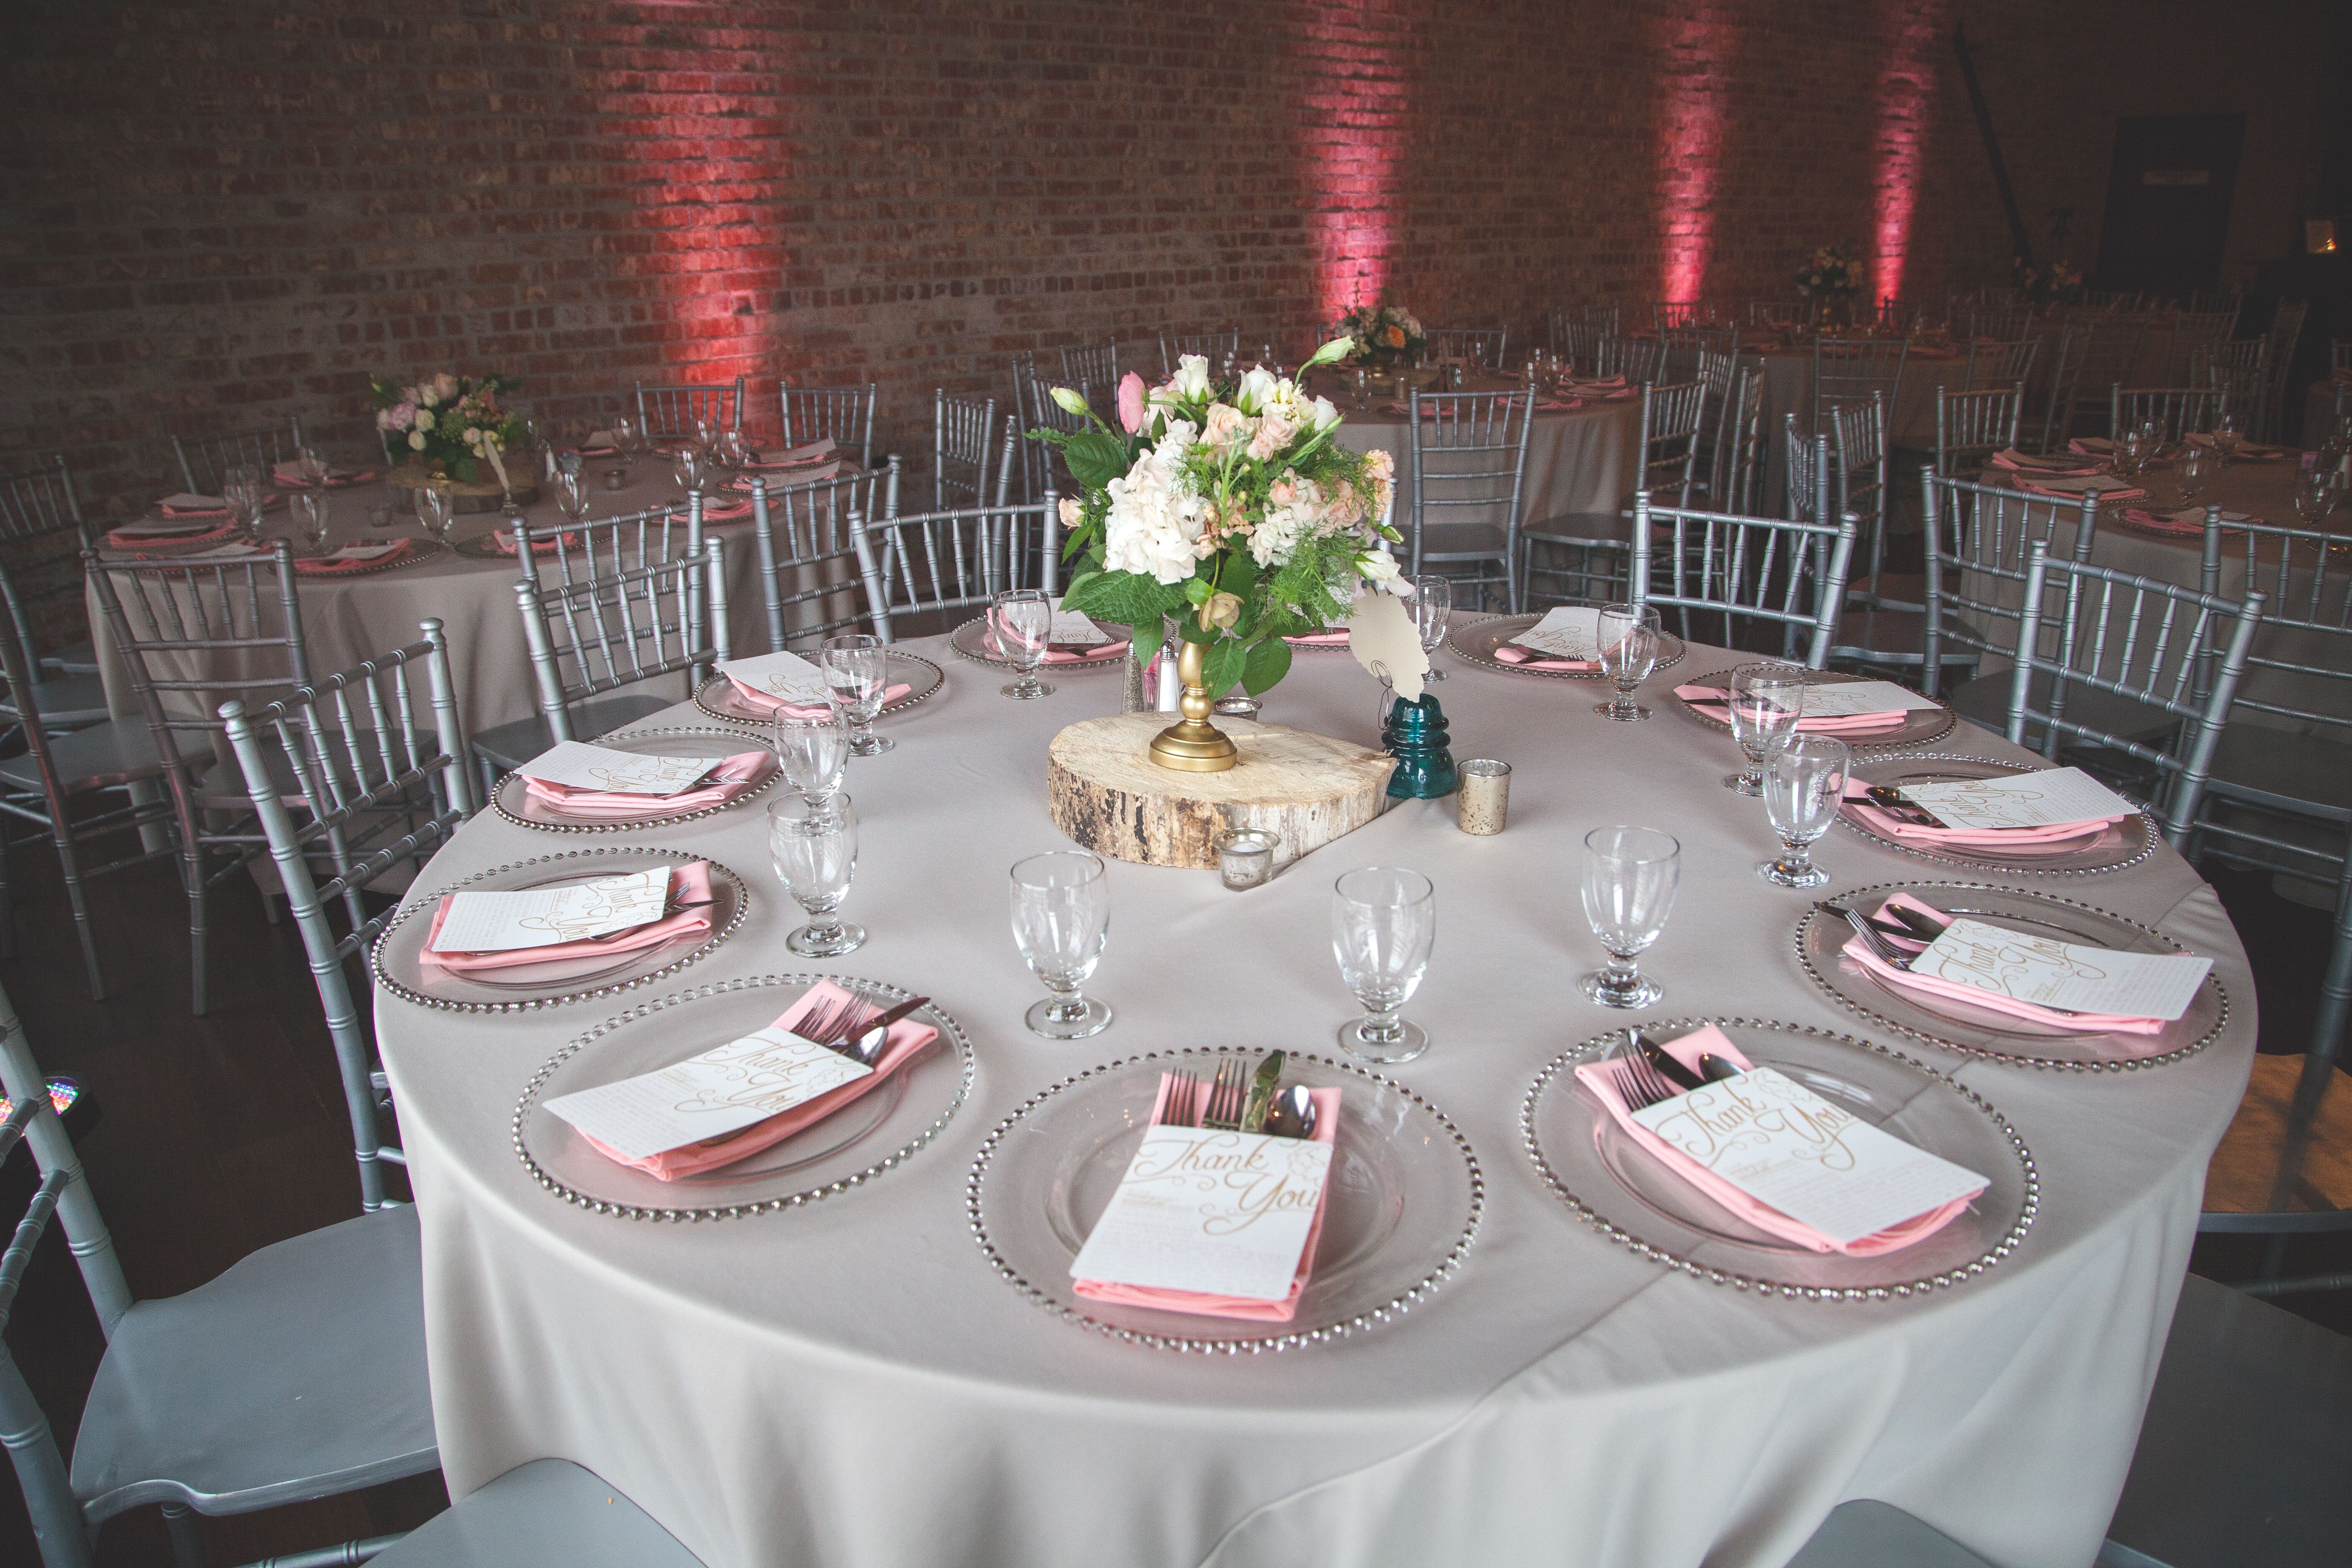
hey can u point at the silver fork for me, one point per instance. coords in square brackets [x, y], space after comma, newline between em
[1183, 1102]
[1639, 1084]
[1224, 1098]
[1871, 936]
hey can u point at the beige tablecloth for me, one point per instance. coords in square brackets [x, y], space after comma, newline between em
[851, 1384]
[1581, 460]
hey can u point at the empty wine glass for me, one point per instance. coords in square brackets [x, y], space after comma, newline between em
[689, 469]
[856, 676]
[1061, 915]
[312, 465]
[814, 847]
[2132, 452]
[733, 451]
[2229, 432]
[1628, 634]
[1432, 605]
[1767, 700]
[1629, 879]
[243, 495]
[1804, 788]
[813, 749]
[1383, 923]
[1022, 620]
[571, 494]
[311, 516]
[628, 438]
[2315, 495]
[2195, 467]
[437, 508]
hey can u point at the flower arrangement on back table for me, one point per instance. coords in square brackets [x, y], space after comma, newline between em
[1831, 273]
[1379, 336]
[1229, 506]
[454, 423]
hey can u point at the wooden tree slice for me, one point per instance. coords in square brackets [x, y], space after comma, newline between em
[1109, 795]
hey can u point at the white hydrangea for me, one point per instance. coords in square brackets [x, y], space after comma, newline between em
[1155, 524]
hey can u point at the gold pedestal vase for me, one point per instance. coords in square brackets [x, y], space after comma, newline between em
[1194, 746]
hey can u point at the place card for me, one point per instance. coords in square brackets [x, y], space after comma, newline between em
[764, 1074]
[165, 527]
[187, 500]
[544, 917]
[1072, 629]
[2026, 967]
[1844, 700]
[786, 676]
[1218, 1213]
[574, 764]
[2049, 798]
[365, 551]
[1815, 1161]
[2083, 484]
[1569, 631]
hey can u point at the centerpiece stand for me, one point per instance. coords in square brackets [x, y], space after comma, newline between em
[480, 496]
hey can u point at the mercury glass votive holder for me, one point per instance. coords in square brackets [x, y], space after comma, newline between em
[1238, 708]
[1245, 857]
[1485, 800]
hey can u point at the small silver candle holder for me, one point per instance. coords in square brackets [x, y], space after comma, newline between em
[1245, 857]
[614, 478]
[1238, 708]
[1486, 797]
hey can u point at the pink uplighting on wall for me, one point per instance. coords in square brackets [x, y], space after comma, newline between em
[1352, 133]
[1692, 76]
[1905, 97]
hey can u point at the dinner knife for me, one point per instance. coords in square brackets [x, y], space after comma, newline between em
[1894, 800]
[1668, 1066]
[1261, 1094]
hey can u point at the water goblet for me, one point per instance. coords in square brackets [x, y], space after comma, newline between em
[733, 451]
[311, 516]
[1383, 924]
[437, 508]
[856, 675]
[628, 439]
[571, 494]
[1022, 620]
[1629, 877]
[1363, 390]
[1628, 635]
[1432, 605]
[2131, 453]
[813, 847]
[241, 493]
[2229, 434]
[2194, 467]
[1767, 700]
[813, 749]
[312, 465]
[706, 435]
[2315, 495]
[1804, 788]
[1061, 914]
[686, 469]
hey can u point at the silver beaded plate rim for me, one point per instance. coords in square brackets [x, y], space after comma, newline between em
[978, 656]
[498, 804]
[2146, 829]
[949, 1028]
[425, 906]
[2029, 1205]
[1723, 726]
[887, 709]
[1667, 660]
[1388, 1311]
[2014, 1058]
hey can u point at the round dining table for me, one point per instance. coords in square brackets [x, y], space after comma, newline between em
[855, 1380]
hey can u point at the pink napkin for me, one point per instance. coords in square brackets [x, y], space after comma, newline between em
[1095, 655]
[2092, 446]
[337, 478]
[503, 541]
[1330, 636]
[1547, 405]
[2139, 517]
[1931, 985]
[738, 775]
[2107, 498]
[271, 503]
[2247, 451]
[906, 1041]
[2025, 462]
[1686, 1050]
[689, 884]
[1887, 825]
[1839, 725]
[763, 703]
[816, 453]
[1326, 1127]
[317, 567]
[1526, 657]
[726, 510]
[150, 542]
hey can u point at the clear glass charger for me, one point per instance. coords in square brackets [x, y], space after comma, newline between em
[2125, 843]
[1920, 727]
[1632, 1198]
[873, 1134]
[923, 679]
[968, 641]
[1979, 1031]
[396, 958]
[1402, 1208]
[1477, 639]
[513, 798]
[412, 552]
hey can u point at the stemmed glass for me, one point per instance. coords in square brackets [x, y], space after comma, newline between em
[311, 465]
[2229, 432]
[1061, 914]
[1022, 619]
[2195, 465]
[734, 451]
[1383, 923]
[1630, 875]
[813, 749]
[814, 844]
[437, 508]
[2132, 453]
[689, 469]
[856, 676]
[242, 493]
[628, 439]
[1767, 700]
[1628, 634]
[2315, 495]
[311, 516]
[1432, 605]
[1802, 791]
[571, 494]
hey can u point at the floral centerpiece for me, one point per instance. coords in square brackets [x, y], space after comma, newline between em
[1383, 336]
[453, 425]
[2059, 283]
[1831, 273]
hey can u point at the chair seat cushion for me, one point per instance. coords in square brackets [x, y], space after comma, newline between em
[299, 1372]
[509, 746]
[103, 755]
[548, 1513]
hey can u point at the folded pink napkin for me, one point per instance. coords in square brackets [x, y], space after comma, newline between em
[2139, 517]
[1597, 1077]
[177, 507]
[503, 541]
[737, 775]
[689, 885]
[337, 478]
[1330, 636]
[1931, 985]
[1887, 825]
[1825, 724]
[2092, 446]
[1548, 404]
[726, 510]
[906, 1041]
[149, 542]
[1203, 1303]
[317, 566]
[1094, 655]
[2107, 498]
[2247, 451]
[2026, 462]
[1526, 657]
[761, 702]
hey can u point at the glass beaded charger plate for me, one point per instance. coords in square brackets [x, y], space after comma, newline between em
[1633, 1198]
[1981, 1031]
[1401, 1204]
[720, 700]
[970, 641]
[485, 547]
[874, 1132]
[1477, 641]
[412, 552]
[513, 798]
[1919, 725]
[2121, 843]
[397, 957]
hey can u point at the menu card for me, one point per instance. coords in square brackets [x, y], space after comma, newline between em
[2045, 798]
[784, 676]
[1220, 1213]
[744, 1081]
[1072, 629]
[543, 917]
[1569, 631]
[2030, 968]
[1815, 1161]
[575, 764]
[1845, 698]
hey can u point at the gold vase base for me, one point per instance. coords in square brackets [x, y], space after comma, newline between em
[1194, 746]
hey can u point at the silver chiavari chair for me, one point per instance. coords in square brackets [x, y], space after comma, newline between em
[1978, 537]
[1787, 314]
[191, 633]
[1850, 369]
[1665, 313]
[42, 536]
[1993, 363]
[2065, 379]
[1465, 471]
[1090, 365]
[1638, 360]
[2285, 332]
[1743, 569]
[808, 560]
[204, 460]
[1744, 434]
[2195, 336]
[2214, 303]
[1686, 345]
[1584, 338]
[1718, 375]
[917, 568]
[298, 1373]
[1214, 347]
[2181, 410]
[1473, 345]
[2002, 323]
[1893, 315]
[1562, 548]
[1970, 426]
[1036, 459]
[374, 786]
[672, 413]
[843, 414]
[963, 444]
[1858, 479]
[2111, 354]
[2237, 368]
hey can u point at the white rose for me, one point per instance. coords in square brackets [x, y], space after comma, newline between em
[1190, 382]
[425, 398]
[417, 440]
[425, 420]
[445, 387]
[1379, 569]
[1257, 389]
[1324, 414]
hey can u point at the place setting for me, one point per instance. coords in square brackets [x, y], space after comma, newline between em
[645, 778]
[1567, 642]
[1995, 816]
[1026, 629]
[856, 673]
[1755, 703]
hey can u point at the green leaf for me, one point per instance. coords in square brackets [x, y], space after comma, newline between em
[1223, 667]
[1148, 638]
[1269, 661]
[1128, 597]
[1239, 574]
[1189, 627]
[1197, 591]
[1095, 458]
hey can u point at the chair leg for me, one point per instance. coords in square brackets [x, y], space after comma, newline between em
[70, 864]
[187, 1548]
[8, 901]
[191, 873]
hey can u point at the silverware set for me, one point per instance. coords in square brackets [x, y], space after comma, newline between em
[674, 907]
[1226, 1103]
[1639, 1084]
[1886, 797]
[1875, 934]
[853, 1026]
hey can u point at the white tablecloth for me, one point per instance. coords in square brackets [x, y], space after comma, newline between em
[1581, 460]
[850, 1383]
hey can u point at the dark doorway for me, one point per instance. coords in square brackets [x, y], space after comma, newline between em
[2168, 203]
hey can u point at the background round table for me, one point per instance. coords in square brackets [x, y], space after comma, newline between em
[851, 1384]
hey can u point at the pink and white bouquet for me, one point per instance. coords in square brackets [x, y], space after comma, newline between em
[454, 423]
[1383, 335]
[1831, 273]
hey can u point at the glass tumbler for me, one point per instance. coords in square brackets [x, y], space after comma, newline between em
[1432, 605]
[858, 675]
[1061, 915]
[1767, 700]
[1804, 788]
[1629, 636]
[1629, 879]
[813, 845]
[813, 750]
[1022, 620]
[1383, 924]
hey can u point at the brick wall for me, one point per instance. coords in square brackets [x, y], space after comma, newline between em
[217, 216]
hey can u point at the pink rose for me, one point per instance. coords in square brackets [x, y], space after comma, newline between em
[1072, 512]
[1274, 433]
[1130, 403]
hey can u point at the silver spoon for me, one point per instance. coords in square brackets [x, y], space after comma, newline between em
[1292, 1114]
